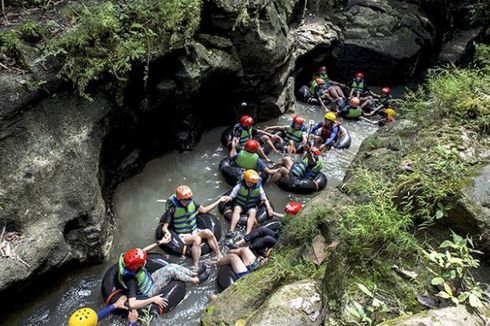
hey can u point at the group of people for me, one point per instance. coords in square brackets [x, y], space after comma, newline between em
[362, 103]
[247, 150]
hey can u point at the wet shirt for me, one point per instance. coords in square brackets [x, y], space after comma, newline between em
[132, 284]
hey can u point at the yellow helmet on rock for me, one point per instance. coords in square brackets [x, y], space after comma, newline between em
[390, 113]
[251, 176]
[83, 317]
[330, 116]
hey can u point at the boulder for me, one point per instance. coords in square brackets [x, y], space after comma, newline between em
[450, 316]
[459, 47]
[298, 303]
[388, 41]
[51, 195]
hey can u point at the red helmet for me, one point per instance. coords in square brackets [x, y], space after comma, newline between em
[293, 208]
[323, 69]
[252, 146]
[246, 121]
[297, 119]
[360, 75]
[315, 151]
[386, 91]
[134, 259]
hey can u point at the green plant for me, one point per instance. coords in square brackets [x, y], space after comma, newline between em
[146, 317]
[453, 271]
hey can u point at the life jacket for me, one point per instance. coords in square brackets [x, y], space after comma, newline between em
[247, 160]
[143, 278]
[313, 86]
[294, 134]
[351, 112]
[248, 197]
[358, 86]
[385, 100]
[304, 171]
[327, 130]
[184, 219]
[242, 133]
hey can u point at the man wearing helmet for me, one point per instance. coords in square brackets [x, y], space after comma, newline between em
[294, 138]
[247, 196]
[143, 288]
[330, 131]
[243, 131]
[181, 213]
[351, 111]
[329, 89]
[249, 159]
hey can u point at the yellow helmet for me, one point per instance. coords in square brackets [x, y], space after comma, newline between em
[251, 176]
[83, 317]
[330, 116]
[390, 113]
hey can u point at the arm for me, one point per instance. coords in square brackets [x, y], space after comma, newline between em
[332, 136]
[263, 197]
[262, 132]
[210, 207]
[166, 239]
[316, 127]
[137, 304]
[275, 128]
[167, 219]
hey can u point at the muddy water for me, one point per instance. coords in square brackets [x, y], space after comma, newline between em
[138, 211]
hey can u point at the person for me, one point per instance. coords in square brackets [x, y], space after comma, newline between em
[331, 89]
[88, 317]
[181, 212]
[242, 260]
[353, 110]
[330, 131]
[143, 288]
[249, 159]
[308, 168]
[261, 240]
[388, 117]
[244, 131]
[294, 134]
[247, 196]
[357, 87]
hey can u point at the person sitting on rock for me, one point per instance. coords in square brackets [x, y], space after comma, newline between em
[248, 159]
[248, 194]
[306, 169]
[242, 260]
[330, 131]
[351, 111]
[143, 288]
[244, 131]
[181, 213]
[294, 135]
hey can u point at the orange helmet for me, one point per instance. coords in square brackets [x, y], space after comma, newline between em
[183, 192]
[134, 259]
[354, 102]
[251, 176]
[246, 121]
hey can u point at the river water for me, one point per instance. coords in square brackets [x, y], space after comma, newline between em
[138, 213]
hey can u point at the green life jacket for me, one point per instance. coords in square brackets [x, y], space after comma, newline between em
[304, 171]
[385, 100]
[293, 134]
[143, 278]
[313, 86]
[353, 112]
[358, 86]
[247, 160]
[243, 134]
[184, 219]
[248, 197]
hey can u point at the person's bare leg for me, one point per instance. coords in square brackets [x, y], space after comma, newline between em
[234, 144]
[235, 217]
[266, 139]
[252, 213]
[262, 154]
[340, 91]
[246, 255]
[195, 241]
[213, 243]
